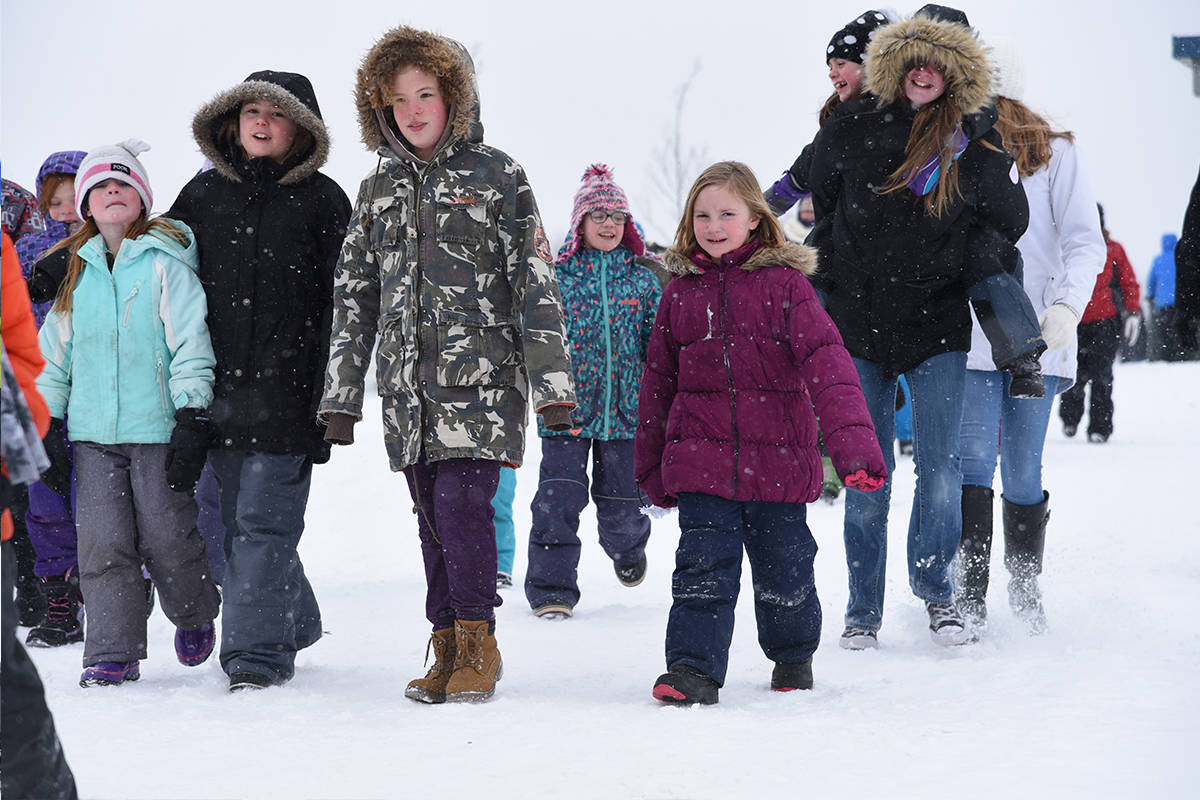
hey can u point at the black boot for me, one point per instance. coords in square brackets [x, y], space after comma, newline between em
[63, 624]
[1024, 541]
[975, 553]
[1025, 377]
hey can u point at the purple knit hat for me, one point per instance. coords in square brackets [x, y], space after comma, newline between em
[599, 192]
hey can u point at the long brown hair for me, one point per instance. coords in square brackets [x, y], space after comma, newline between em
[931, 135]
[1026, 134]
[50, 185]
[229, 136]
[141, 226]
[827, 109]
[740, 180]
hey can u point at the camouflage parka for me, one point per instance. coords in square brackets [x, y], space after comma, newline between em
[446, 261]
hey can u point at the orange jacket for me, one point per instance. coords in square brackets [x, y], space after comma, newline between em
[21, 343]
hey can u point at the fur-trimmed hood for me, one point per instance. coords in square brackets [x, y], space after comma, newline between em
[799, 257]
[896, 48]
[290, 91]
[445, 58]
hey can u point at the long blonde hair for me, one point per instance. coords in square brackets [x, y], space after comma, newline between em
[141, 226]
[1026, 134]
[740, 180]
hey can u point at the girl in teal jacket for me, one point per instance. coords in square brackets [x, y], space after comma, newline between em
[128, 356]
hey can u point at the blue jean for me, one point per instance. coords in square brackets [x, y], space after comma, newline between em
[708, 572]
[562, 494]
[506, 534]
[934, 528]
[994, 423]
[270, 611]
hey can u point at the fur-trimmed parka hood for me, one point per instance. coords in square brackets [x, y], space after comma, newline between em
[799, 257]
[440, 56]
[290, 91]
[926, 39]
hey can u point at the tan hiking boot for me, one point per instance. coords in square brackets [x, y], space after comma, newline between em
[477, 664]
[432, 688]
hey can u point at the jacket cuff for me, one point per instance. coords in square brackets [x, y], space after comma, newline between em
[340, 429]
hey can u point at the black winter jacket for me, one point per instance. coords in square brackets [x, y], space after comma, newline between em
[269, 235]
[896, 277]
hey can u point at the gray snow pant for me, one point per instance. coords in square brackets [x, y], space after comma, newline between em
[126, 515]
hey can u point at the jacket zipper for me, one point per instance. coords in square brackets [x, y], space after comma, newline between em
[608, 360]
[729, 376]
[129, 305]
[419, 184]
[162, 386]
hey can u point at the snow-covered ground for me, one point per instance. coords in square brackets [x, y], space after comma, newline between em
[1105, 704]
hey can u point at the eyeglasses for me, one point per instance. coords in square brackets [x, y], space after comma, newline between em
[598, 217]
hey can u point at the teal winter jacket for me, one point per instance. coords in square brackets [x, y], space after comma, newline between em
[134, 346]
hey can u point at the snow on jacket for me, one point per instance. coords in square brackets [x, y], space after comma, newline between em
[1103, 304]
[134, 347]
[1160, 284]
[608, 301]
[1062, 250]
[740, 354]
[447, 262]
[269, 235]
[31, 247]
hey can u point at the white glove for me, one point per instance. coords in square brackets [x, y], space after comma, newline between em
[1058, 326]
[1133, 324]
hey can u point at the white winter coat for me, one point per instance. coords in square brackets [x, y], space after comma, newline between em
[1063, 252]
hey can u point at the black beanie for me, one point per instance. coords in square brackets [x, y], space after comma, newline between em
[851, 41]
[943, 14]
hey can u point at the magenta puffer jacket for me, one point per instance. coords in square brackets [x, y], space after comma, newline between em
[740, 355]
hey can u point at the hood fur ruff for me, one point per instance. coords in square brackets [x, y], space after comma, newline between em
[897, 48]
[203, 128]
[799, 257]
[437, 55]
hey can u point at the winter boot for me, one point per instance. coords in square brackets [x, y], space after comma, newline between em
[432, 688]
[1025, 377]
[686, 686]
[31, 603]
[477, 663]
[193, 647]
[631, 574]
[64, 613]
[1024, 541]
[975, 554]
[788, 677]
[109, 673]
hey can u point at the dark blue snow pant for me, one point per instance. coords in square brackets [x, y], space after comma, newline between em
[708, 571]
[562, 495]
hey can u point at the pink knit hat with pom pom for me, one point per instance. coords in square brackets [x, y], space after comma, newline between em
[599, 193]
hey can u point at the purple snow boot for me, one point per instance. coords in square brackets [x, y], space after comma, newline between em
[193, 648]
[109, 673]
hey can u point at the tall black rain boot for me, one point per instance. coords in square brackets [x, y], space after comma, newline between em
[1024, 541]
[975, 553]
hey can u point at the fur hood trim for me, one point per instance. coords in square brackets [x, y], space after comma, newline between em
[896, 48]
[799, 257]
[210, 116]
[444, 58]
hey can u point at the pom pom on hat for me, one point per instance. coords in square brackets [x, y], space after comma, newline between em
[599, 192]
[118, 161]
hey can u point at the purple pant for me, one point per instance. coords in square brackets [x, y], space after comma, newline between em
[51, 523]
[458, 538]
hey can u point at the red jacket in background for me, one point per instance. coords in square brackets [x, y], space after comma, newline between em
[21, 343]
[1101, 305]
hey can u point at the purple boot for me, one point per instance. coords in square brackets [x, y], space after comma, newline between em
[109, 673]
[193, 648]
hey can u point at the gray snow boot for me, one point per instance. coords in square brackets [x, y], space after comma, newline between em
[1024, 542]
[975, 554]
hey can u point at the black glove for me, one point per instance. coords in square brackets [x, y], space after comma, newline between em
[57, 476]
[188, 448]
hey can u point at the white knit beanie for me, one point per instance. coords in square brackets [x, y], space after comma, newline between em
[1008, 68]
[118, 161]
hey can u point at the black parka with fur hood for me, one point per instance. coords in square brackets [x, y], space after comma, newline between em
[895, 276]
[269, 236]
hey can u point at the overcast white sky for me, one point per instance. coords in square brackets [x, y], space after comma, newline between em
[564, 84]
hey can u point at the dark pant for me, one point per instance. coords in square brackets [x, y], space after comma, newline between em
[708, 570]
[51, 523]
[270, 611]
[1098, 344]
[453, 500]
[208, 503]
[562, 494]
[34, 764]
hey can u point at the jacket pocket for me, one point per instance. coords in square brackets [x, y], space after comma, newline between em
[473, 351]
[392, 359]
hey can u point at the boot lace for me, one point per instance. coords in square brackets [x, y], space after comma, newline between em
[441, 663]
[470, 651]
[58, 605]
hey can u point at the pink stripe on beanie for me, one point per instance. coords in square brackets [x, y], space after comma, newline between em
[118, 161]
[599, 193]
